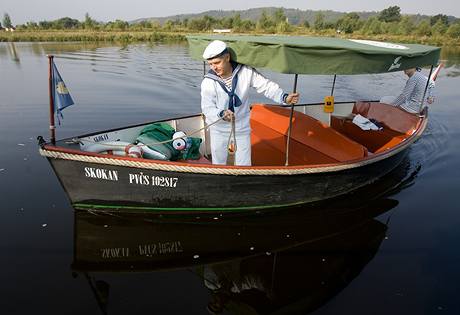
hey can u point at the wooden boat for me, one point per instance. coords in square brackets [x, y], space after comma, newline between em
[328, 155]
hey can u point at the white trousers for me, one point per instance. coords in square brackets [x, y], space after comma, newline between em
[219, 144]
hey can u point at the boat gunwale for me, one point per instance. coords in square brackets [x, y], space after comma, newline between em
[51, 151]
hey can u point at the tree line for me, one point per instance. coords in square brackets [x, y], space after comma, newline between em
[388, 21]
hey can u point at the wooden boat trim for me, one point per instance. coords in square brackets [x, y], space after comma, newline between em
[54, 152]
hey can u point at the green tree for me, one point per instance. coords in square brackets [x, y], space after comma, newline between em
[348, 23]
[89, 23]
[169, 26]
[283, 27]
[226, 22]
[117, 25]
[439, 28]
[318, 24]
[454, 30]
[0, 25]
[405, 26]
[236, 21]
[423, 29]
[372, 26]
[306, 24]
[279, 16]
[245, 26]
[265, 23]
[45, 25]
[439, 17]
[7, 20]
[390, 14]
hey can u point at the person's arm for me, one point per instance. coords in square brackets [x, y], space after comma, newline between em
[209, 100]
[406, 93]
[269, 88]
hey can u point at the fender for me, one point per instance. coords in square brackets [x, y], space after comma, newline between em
[118, 148]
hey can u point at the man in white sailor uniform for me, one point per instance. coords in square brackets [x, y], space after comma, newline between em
[225, 94]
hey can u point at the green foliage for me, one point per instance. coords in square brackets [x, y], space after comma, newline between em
[244, 26]
[319, 21]
[7, 20]
[117, 25]
[283, 27]
[265, 24]
[89, 23]
[439, 17]
[372, 26]
[385, 26]
[66, 23]
[348, 23]
[454, 31]
[423, 29]
[406, 26]
[390, 14]
[439, 28]
[279, 16]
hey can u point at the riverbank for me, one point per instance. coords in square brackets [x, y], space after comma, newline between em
[155, 36]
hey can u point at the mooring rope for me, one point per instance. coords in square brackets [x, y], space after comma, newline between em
[231, 144]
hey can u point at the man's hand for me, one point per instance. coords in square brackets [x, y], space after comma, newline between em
[228, 115]
[292, 98]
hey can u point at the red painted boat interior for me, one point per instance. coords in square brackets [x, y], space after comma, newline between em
[398, 125]
[314, 143]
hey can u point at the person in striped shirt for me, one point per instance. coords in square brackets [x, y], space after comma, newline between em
[412, 94]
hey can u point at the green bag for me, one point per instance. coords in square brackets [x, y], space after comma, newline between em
[193, 152]
[159, 132]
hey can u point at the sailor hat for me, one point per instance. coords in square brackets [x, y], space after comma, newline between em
[215, 49]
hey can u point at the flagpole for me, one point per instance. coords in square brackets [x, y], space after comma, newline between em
[51, 95]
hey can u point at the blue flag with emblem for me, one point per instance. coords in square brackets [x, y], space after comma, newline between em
[61, 94]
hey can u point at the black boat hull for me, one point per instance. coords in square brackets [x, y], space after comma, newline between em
[110, 187]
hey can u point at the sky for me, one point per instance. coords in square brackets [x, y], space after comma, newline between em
[22, 11]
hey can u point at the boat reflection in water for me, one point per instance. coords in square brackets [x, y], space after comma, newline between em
[290, 262]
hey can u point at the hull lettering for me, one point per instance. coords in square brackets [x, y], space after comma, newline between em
[101, 173]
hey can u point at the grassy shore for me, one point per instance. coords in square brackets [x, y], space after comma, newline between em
[89, 36]
[155, 36]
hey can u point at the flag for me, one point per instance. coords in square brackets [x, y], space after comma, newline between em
[61, 94]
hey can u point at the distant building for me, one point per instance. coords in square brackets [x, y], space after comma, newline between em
[10, 29]
[226, 30]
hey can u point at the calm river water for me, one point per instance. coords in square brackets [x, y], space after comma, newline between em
[392, 248]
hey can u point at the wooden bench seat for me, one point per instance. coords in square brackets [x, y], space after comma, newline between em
[398, 125]
[311, 141]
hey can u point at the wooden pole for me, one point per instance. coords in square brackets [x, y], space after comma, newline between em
[51, 96]
[290, 123]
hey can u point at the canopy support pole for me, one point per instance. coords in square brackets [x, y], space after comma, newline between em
[333, 85]
[426, 88]
[51, 96]
[290, 122]
[204, 68]
[332, 94]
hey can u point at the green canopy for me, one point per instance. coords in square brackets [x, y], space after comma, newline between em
[320, 55]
